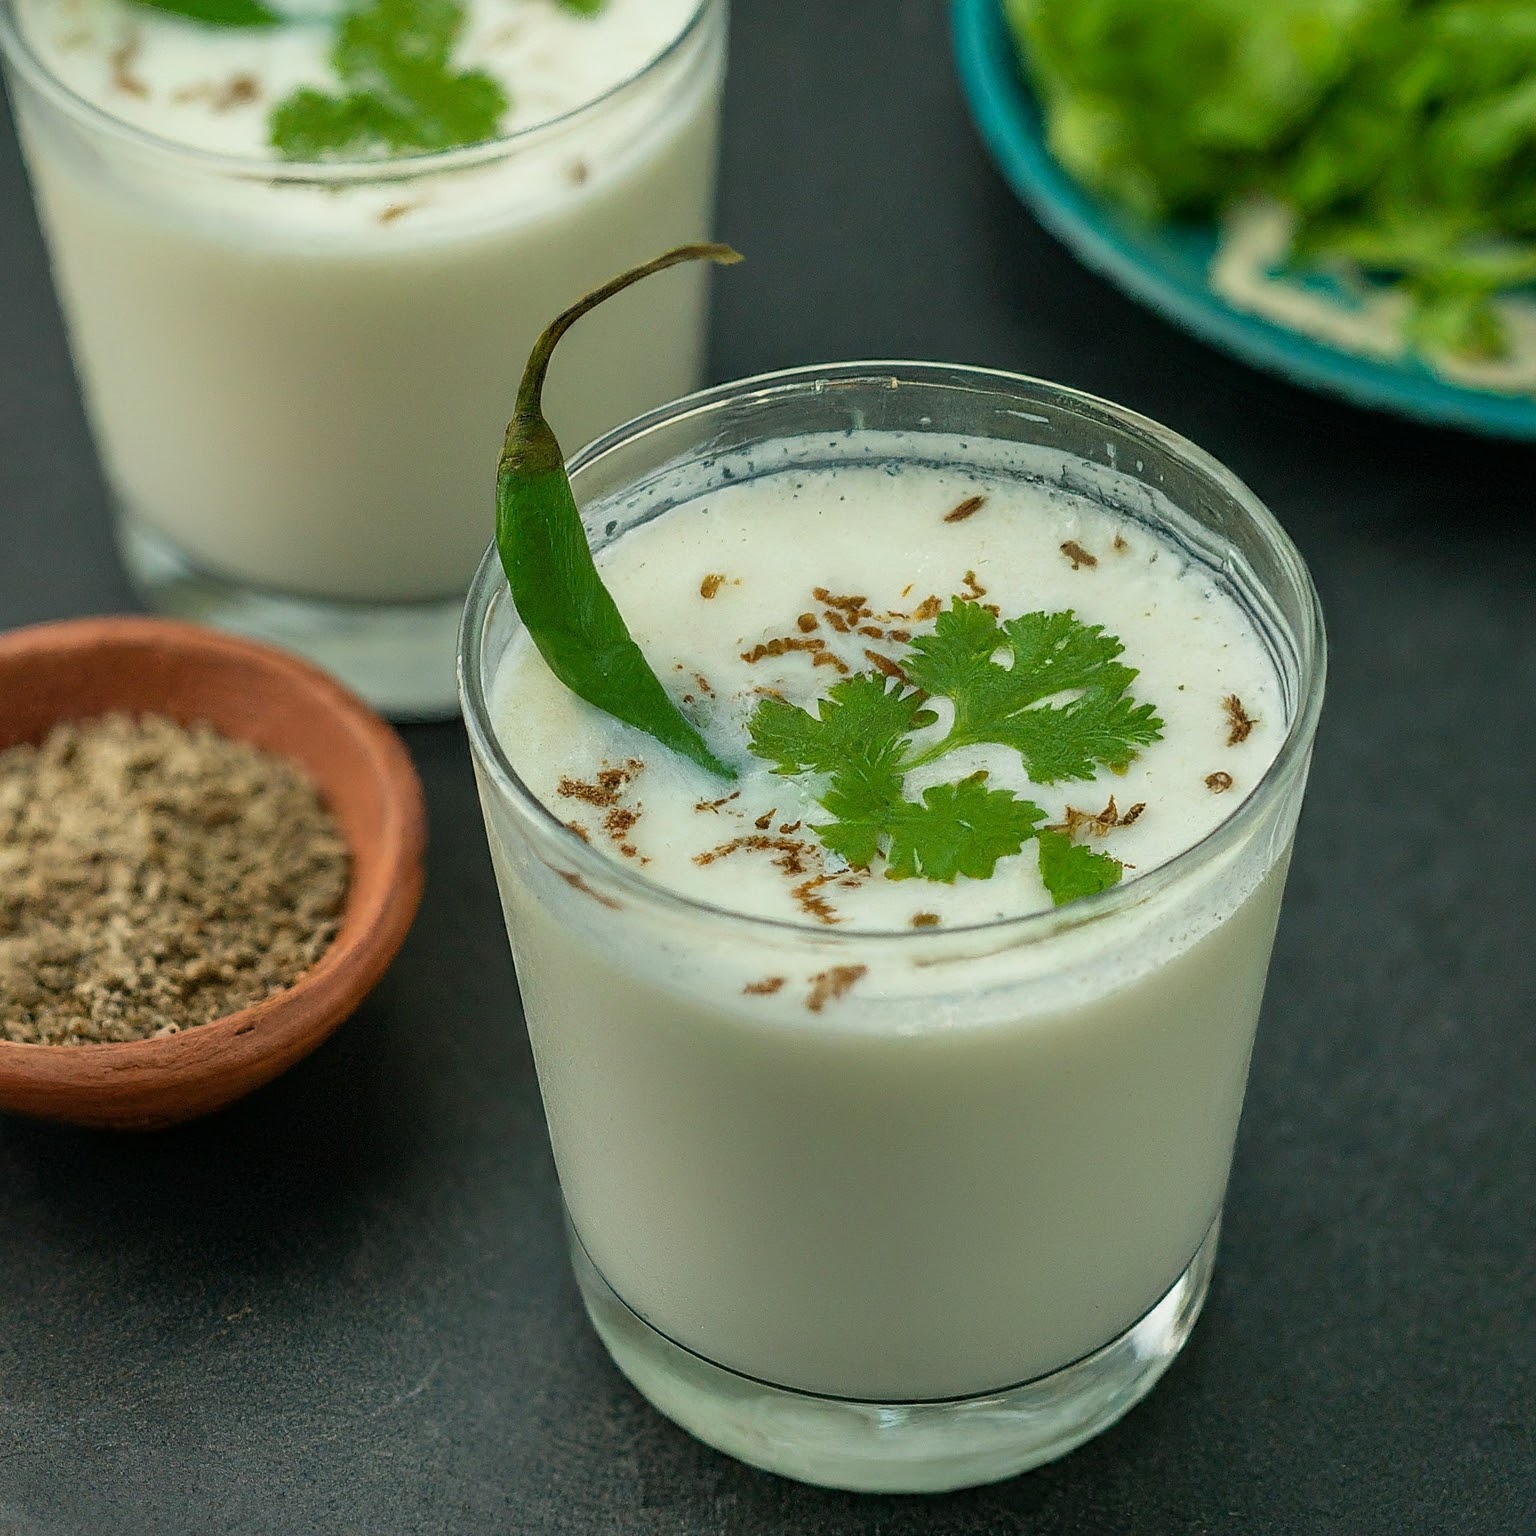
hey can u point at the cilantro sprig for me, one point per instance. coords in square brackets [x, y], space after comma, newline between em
[402, 93]
[1045, 685]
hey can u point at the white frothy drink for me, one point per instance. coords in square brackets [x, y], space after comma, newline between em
[890, 1140]
[292, 376]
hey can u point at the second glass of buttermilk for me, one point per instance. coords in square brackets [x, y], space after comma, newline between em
[899, 1184]
[292, 369]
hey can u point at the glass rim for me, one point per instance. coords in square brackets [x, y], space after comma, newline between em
[17, 50]
[1309, 639]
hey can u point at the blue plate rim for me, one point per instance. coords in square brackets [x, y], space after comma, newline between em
[1008, 121]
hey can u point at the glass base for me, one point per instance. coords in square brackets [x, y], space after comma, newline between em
[398, 656]
[898, 1447]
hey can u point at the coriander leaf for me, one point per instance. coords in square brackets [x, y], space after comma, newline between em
[218, 13]
[582, 7]
[380, 38]
[403, 96]
[1051, 654]
[1061, 702]
[309, 125]
[857, 735]
[1070, 870]
[1096, 730]
[864, 798]
[861, 717]
[959, 829]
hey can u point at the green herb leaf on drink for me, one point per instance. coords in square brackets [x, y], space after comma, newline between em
[861, 722]
[959, 829]
[1050, 654]
[568, 612]
[1060, 700]
[1070, 870]
[403, 94]
[218, 13]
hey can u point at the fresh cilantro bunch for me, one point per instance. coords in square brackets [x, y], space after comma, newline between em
[1402, 133]
[1060, 700]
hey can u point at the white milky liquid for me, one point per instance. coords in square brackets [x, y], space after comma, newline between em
[883, 538]
[297, 383]
[901, 1164]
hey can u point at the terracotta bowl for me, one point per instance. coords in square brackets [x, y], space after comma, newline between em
[252, 693]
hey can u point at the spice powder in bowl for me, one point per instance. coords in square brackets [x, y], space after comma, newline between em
[154, 877]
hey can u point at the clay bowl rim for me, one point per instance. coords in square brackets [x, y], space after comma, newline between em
[120, 1084]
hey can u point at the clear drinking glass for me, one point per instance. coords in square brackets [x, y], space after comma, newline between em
[965, 1223]
[297, 374]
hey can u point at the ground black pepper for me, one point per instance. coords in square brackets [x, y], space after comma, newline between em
[154, 877]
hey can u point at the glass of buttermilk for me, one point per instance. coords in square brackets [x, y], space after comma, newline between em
[291, 369]
[879, 1183]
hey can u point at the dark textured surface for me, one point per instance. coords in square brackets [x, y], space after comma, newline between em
[343, 1305]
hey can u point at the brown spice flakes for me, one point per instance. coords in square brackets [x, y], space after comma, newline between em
[1219, 782]
[606, 788]
[155, 877]
[1120, 545]
[829, 985]
[714, 805]
[971, 505]
[397, 211]
[765, 821]
[973, 588]
[1100, 823]
[791, 852]
[1078, 555]
[886, 665]
[807, 622]
[790, 826]
[620, 821]
[122, 60]
[929, 608]
[854, 606]
[764, 988]
[1240, 723]
[576, 883]
[925, 919]
[871, 631]
[237, 91]
[604, 792]
[578, 171]
[901, 636]
[830, 659]
[711, 585]
[813, 905]
[782, 645]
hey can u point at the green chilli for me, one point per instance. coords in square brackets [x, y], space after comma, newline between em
[569, 614]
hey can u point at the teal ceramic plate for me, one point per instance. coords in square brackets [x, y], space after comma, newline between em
[1165, 266]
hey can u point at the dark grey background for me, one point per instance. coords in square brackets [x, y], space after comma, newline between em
[342, 1306]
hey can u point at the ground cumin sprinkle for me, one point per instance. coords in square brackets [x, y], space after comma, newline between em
[153, 878]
